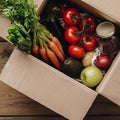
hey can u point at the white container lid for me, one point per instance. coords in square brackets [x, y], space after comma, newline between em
[105, 29]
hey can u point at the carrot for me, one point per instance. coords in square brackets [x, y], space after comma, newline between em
[58, 44]
[53, 58]
[55, 49]
[43, 54]
[35, 50]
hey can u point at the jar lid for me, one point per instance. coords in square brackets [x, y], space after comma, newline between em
[105, 29]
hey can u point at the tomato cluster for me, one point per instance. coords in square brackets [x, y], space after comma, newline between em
[79, 32]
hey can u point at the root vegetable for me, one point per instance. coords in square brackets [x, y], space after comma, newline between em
[55, 49]
[53, 58]
[58, 44]
[43, 54]
[35, 50]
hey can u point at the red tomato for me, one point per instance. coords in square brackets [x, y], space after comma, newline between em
[89, 41]
[88, 24]
[72, 35]
[76, 51]
[71, 16]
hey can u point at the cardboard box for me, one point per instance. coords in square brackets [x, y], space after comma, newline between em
[45, 84]
[51, 87]
[110, 85]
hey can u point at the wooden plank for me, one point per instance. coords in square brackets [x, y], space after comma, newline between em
[104, 109]
[59, 118]
[32, 118]
[102, 117]
[101, 99]
[2, 40]
[5, 51]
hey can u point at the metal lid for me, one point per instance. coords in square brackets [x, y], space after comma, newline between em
[105, 29]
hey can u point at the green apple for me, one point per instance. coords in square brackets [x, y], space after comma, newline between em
[91, 76]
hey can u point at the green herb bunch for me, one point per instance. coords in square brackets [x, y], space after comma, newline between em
[28, 34]
[24, 17]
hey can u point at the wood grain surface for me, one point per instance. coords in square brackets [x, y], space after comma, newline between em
[16, 106]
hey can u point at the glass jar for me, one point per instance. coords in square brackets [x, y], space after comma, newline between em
[109, 38]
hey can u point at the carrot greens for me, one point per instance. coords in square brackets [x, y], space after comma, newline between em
[24, 17]
[27, 33]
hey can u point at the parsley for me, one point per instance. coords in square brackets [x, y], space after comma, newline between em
[20, 10]
[26, 32]
[24, 17]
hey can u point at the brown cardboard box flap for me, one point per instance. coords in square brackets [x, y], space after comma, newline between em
[108, 9]
[47, 85]
[110, 85]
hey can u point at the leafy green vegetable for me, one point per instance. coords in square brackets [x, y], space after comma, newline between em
[24, 17]
[28, 34]
[19, 37]
[20, 10]
[26, 31]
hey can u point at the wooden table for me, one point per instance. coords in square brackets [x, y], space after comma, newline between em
[14, 105]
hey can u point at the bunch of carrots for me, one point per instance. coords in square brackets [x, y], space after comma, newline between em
[26, 31]
[47, 46]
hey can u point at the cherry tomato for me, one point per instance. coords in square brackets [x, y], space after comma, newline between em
[89, 41]
[71, 16]
[72, 35]
[76, 51]
[88, 24]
